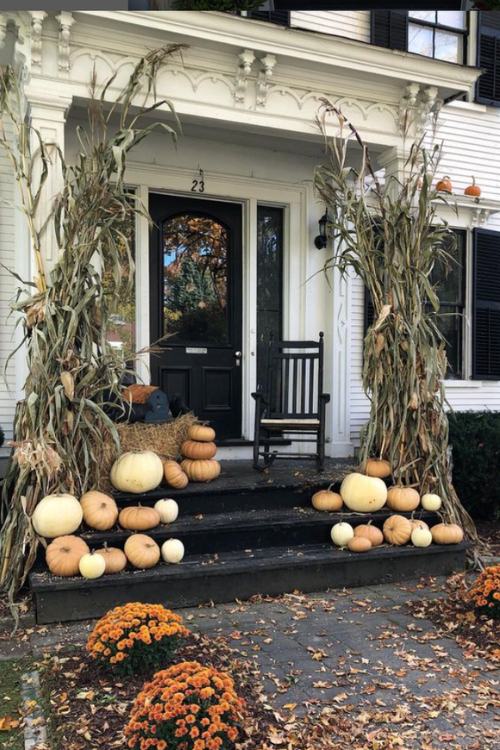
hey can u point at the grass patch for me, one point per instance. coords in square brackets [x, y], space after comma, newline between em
[11, 719]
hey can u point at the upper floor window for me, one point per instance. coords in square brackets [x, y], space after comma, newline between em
[437, 33]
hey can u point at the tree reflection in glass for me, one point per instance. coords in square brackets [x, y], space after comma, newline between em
[195, 279]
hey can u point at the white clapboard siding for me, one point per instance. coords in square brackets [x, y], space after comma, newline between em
[7, 290]
[470, 136]
[353, 24]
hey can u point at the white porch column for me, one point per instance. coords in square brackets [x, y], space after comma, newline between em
[393, 161]
[340, 333]
[48, 116]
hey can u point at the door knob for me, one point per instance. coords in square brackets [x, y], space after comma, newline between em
[237, 356]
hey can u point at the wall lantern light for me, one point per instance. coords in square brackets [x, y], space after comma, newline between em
[321, 240]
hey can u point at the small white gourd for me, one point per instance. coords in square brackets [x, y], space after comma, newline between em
[92, 565]
[421, 537]
[341, 533]
[431, 502]
[172, 551]
[168, 510]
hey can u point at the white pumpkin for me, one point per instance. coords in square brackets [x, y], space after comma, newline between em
[341, 533]
[168, 510]
[421, 537]
[363, 494]
[57, 515]
[431, 502]
[92, 565]
[137, 472]
[172, 551]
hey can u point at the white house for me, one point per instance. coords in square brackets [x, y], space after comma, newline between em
[247, 90]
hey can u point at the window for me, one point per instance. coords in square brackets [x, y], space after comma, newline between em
[449, 279]
[279, 17]
[437, 33]
[269, 282]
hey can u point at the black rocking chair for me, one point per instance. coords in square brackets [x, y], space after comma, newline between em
[291, 402]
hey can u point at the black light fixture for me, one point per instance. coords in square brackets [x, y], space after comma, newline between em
[321, 240]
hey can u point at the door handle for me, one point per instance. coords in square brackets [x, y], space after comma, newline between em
[237, 356]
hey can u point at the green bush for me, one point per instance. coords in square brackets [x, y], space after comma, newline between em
[475, 438]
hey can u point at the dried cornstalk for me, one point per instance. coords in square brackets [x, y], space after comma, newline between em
[390, 234]
[74, 374]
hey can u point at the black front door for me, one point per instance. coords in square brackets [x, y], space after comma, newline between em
[195, 272]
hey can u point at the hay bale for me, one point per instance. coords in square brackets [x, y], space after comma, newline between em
[164, 439]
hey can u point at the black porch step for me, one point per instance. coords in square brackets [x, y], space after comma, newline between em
[239, 575]
[271, 527]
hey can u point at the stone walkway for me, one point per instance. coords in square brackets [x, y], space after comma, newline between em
[359, 650]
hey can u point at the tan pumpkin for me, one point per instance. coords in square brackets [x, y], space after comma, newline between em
[137, 472]
[397, 530]
[326, 500]
[378, 467]
[372, 533]
[447, 533]
[202, 433]
[202, 470]
[174, 475]
[137, 518]
[431, 502]
[115, 559]
[142, 552]
[63, 555]
[403, 499]
[57, 515]
[195, 449]
[421, 537]
[359, 544]
[99, 510]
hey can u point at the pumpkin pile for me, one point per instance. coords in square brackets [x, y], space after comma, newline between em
[58, 516]
[199, 450]
[368, 492]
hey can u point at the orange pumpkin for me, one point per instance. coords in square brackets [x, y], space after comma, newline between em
[195, 449]
[359, 544]
[326, 500]
[444, 185]
[447, 533]
[402, 498]
[137, 518]
[397, 530]
[63, 555]
[142, 551]
[202, 470]
[202, 433]
[416, 523]
[378, 467]
[473, 190]
[372, 533]
[99, 510]
[115, 559]
[174, 475]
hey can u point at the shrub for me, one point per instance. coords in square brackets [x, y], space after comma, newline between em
[475, 437]
[485, 592]
[186, 707]
[136, 637]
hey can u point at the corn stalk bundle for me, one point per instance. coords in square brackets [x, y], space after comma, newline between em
[74, 374]
[389, 233]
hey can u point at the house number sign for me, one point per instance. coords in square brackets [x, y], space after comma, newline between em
[198, 184]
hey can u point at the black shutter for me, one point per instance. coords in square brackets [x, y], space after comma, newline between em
[488, 58]
[486, 306]
[390, 28]
[369, 311]
[279, 17]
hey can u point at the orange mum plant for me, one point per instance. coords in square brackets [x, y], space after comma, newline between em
[136, 637]
[485, 592]
[186, 707]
